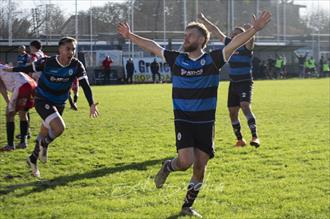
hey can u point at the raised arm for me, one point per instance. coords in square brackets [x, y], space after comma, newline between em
[211, 27]
[242, 38]
[146, 44]
[250, 44]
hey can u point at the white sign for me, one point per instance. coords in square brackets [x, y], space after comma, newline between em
[115, 55]
[143, 73]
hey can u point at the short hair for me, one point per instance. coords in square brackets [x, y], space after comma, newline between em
[22, 47]
[36, 44]
[65, 40]
[201, 29]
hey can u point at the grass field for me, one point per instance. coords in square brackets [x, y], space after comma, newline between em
[104, 168]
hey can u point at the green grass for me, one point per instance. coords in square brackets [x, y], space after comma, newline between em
[104, 168]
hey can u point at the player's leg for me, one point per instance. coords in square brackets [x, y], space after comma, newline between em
[204, 150]
[233, 108]
[245, 104]
[185, 158]
[53, 126]
[24, 127]
[10, 129]
[196, 182]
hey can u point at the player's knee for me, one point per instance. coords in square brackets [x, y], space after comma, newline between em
[233, 113]
[184, 164]
[59, 129]
[246, 108]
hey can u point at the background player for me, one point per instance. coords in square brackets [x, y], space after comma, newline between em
[241, 81]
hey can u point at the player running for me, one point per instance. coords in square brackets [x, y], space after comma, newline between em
[52, 91]
[195, 83]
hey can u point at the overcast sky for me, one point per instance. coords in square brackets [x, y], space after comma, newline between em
[69, 5]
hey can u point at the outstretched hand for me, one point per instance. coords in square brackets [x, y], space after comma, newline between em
[262, 20]
[201, 17]
[94, 111]
[124, 29]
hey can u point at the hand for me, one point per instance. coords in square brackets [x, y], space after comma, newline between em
[94, 111]
[262, 20]
[124, 29]
[201, 17]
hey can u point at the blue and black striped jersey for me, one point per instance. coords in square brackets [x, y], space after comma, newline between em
[240, 64]
[55, 80]
[195, 85]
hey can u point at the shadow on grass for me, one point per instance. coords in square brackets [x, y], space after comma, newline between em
[174, 216]
[43, 185]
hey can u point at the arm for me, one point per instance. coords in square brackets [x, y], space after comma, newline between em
[89, 96]
[211, 27]
[146, 44]
[242, 38]
[250, 44]
[33, 67]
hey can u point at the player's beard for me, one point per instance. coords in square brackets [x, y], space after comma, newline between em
[192, 47]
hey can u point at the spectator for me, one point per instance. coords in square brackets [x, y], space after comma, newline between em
[270, 68]
[256, 67]
[278, 66]
[326, 68]
[301, 62]
[311, 67]
[130, 71]
[263, 69]
[284, 73]
[106, 69]
[322, 61]
[155, 70]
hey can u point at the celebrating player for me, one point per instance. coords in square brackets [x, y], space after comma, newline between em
[241, 81]
[57, 75]
[195, 82]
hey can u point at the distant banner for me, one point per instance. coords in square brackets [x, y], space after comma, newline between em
[142, 69]
[115, 55]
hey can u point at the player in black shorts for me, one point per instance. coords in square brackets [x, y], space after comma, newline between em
[57, 75]
[241, 81]
[195, 83]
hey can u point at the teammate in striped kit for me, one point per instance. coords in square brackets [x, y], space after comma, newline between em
[52, 91]
[195, 82]
[241, 81]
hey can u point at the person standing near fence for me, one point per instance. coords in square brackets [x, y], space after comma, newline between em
[129, 71]
[154, 67]
[106, 69]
